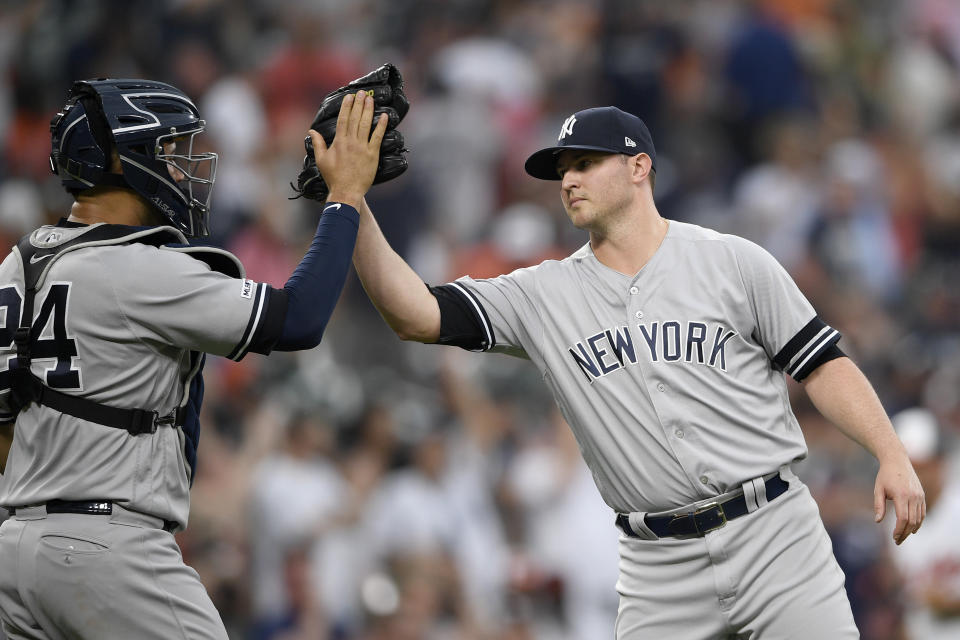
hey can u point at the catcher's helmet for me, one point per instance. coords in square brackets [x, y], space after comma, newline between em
[144, 121]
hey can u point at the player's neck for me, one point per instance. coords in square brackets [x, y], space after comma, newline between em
[113, 206]
[626, 246]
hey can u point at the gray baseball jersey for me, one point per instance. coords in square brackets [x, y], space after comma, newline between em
[671, 379]
[119, 324]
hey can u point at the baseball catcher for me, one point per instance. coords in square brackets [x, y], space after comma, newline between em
[106, 318]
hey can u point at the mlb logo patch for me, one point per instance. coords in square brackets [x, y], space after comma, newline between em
[246, 291]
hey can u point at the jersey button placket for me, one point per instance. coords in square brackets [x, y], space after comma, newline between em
[635, 291]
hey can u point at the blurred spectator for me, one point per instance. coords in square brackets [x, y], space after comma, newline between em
[930, 564]
[296, 493]
[557, 494]
[458, 145]
[521, 234]
[922, 71]
[21, 211]
[766, 77]
[775, 200]
[307, 66]
[446, 519]
[303, 618]
[343, 563]
[852, 236]
[263, 245]
[238, 130]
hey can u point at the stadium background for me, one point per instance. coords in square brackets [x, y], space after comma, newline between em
[372, 489]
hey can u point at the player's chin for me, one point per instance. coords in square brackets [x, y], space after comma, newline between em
[578, 216]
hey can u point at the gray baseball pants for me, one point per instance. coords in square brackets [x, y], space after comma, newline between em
[79, 577]
[768, 575]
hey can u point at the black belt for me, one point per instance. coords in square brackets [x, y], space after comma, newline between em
[707, 518]
[90, 508]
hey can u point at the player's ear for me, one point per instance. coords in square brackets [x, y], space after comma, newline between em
[641, 166]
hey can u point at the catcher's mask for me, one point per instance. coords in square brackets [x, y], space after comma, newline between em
[152, 126]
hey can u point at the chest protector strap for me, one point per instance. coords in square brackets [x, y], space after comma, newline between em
[26, 388]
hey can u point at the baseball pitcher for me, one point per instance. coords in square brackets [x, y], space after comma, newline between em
[665, 345]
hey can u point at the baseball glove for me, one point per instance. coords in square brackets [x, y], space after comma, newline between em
[385, 84]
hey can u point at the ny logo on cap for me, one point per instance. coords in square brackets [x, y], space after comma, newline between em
[567, 128]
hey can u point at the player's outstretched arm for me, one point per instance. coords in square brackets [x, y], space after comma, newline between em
[844, 396]
[348, 165]
[6, 440]
[395, 289]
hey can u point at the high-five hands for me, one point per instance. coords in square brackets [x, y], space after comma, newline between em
[350, 163]
[385, 86]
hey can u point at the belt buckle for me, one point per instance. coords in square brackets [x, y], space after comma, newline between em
[714, 507]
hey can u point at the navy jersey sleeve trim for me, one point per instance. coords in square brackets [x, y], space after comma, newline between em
[463, 320]
[253, 324]
[266, 336]
[831, 353]
[802, 353]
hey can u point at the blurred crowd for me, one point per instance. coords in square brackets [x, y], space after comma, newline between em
[373, 489]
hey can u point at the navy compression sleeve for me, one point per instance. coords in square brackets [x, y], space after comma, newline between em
[315, 286]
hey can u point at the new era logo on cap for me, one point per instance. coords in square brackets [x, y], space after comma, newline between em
[600, 129]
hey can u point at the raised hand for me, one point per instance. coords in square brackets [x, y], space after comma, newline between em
[349, 165]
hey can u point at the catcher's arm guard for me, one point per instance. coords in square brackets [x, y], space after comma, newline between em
[385, 85]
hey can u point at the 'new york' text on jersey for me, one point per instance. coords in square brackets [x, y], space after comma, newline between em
[672, 379]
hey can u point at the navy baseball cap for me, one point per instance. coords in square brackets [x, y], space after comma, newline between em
[599, 129]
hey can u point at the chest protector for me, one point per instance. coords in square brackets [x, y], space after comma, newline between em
[27, 388]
